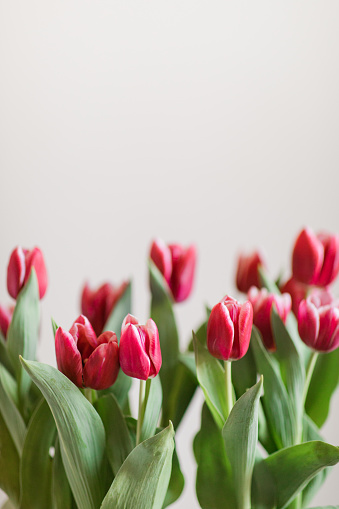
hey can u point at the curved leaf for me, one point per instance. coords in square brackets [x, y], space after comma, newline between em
[81, 434]
[286, 472]
[184, 387]
[214, 483]
[62, 497]
[36, 463]
[23, 331]
[9, 464]
[118, 440]
[324, 382]
[143, 479]
[153, 408]
[11, 415]
[240, 434]
[176, 483]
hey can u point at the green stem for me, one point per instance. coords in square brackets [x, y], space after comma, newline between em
[144, 389]
[88, 394]
[309, 373]
[228, 386]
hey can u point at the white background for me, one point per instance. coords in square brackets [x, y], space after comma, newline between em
[214, 122]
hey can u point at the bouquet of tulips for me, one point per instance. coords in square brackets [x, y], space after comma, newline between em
[267, 367]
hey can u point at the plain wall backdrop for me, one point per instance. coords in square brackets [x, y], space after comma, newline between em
[214, 122]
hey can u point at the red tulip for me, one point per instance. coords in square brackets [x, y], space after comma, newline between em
[5, 319]
[87, 360]
[229, 329]
[19, 269]
[263, 302]
[319, 325]
[315, 258]
[177, 265]
[97, 305]
[140, 354]
[247, 271]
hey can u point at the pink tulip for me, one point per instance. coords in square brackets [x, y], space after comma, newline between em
[319, 325]
[140, 354]
[19, 270]
[262, 302]
[229, 329]
[315, 258]
[87, 360]
[177, 265]
[5, 319]
[97, 305]
[247, 271]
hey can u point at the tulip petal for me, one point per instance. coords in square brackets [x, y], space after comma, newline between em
[133, 359]
[84, 336]
[102, 368]
[308, 322]
[330, 268]
[153, 347]
[16, 272]
[127, 320]
[307, 257]
[68, 356]
[5, 319]
[220, 332]
[245, 323]
[35, 259]
[183, 273]
[161, 256]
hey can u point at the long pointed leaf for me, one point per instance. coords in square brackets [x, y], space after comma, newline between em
[11, 415]
[9, 464]
[240, 434]
[36, 463]
[152, 410]
[61, 491]
[81, 434]
[24, 330]
[143, 479]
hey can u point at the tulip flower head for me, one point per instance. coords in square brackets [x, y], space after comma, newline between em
[229, 329]
[318, 325]
[263, 302]
[139, 349]
[315, 258]
[6, 314]
[247, 274]
[97, 305]
[177, 265]
[87, 360]
[19, 269]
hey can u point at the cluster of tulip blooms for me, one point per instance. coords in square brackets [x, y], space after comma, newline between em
[69, 440]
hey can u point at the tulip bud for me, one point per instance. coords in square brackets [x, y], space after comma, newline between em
[5, 319]
[177, 265]
[229, 329]
[315, 258]
[97, 305]
[139, 349]
[262, 302]
[247, 271]
[19, 270]
[319, 326]
[87, 360]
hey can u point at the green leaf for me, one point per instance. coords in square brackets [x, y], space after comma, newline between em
[4, 357]
[276, 402]
[324, 382]
[244, 373]
[23, 331]
[9, 464]
[54, 327]
[163, 315]
[291, 368]
[176, 483]
[121, 309]
[286, 472]
[143, 479]
[311, 432]
[120, 389]
[184, 387]
[327, 507]
[240, 434]
[61, 491]
[11, 415]
[118, 440]
[36, 462]
[211, 377]
[153, 397]
[214, 483]
[81, 434]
